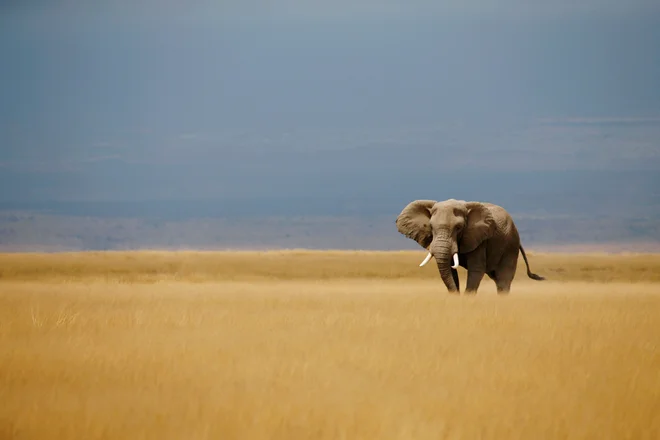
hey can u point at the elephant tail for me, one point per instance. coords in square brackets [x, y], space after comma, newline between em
[529, 272]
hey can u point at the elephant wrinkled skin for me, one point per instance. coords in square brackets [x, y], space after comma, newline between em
[481, 237]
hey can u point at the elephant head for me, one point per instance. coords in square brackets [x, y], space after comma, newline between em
[446, 229]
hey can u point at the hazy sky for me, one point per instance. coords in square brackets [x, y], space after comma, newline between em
[252, 63]
[86, 84]
[334, 9]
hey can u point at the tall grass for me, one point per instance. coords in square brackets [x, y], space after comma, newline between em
[355, 359]
[324, 345]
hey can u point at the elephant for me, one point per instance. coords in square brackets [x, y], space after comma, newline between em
[478, 236]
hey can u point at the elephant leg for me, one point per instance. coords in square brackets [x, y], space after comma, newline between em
[503, 285]
[505, 274]
[473, 280]
[476, 269]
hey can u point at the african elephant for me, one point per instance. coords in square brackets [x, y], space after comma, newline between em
[481, 237]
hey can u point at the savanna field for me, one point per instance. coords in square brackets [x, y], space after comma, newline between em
[325, 345]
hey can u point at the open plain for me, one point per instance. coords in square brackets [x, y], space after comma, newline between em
[336, 345]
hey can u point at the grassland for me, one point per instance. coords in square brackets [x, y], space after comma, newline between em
[298, 344]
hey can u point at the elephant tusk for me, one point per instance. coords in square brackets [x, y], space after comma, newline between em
[455, 266]
[426, 260]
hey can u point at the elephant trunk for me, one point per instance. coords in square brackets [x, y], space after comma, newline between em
[447, 275]
[445, 252]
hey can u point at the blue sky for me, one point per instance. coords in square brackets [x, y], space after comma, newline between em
[89, 88]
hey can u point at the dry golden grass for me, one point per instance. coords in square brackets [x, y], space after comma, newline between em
[145, 266]
[324, 345]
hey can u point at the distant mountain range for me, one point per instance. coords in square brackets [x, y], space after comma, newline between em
[21, 231]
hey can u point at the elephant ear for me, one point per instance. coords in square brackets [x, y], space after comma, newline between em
[479, 226]
[414, 222]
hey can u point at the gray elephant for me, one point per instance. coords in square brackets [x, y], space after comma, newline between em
[481, 237]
